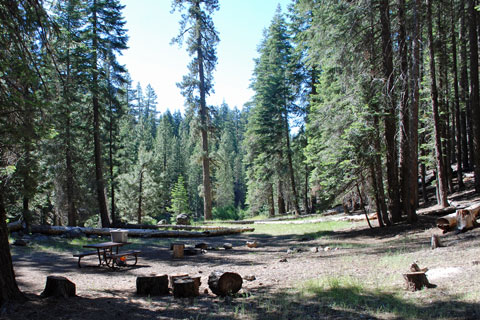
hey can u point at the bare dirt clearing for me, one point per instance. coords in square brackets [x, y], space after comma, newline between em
[356, 273]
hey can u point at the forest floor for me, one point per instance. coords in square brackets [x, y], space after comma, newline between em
[356, 274]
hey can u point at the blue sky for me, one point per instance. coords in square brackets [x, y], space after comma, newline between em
[151, 59]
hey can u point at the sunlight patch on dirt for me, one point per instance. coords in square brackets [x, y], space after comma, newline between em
[438, 273]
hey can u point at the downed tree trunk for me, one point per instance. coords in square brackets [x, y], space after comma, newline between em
[153, 286]
[15, 226]
[59, 287]
[462, 219]
[57, 230]
[224, 283]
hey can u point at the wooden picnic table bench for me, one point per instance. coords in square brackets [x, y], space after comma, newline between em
[107, 253]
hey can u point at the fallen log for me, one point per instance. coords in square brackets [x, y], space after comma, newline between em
[15, 226]
[58, 230]
[224, 283]
[462, 219]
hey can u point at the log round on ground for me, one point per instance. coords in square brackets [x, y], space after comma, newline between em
[153, 286]
[59, 287]
[184, 288]
[224, 283]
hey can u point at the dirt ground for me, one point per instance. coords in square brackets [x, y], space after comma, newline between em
[376, 257]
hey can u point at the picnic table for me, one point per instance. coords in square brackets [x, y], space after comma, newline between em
[108, 253]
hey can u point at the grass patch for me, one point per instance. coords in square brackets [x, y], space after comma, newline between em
[344, 297]
[305, 230]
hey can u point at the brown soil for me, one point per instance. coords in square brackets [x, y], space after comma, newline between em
[377, 257]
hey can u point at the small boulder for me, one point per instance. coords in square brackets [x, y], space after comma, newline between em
[183, 219]
[227, 246]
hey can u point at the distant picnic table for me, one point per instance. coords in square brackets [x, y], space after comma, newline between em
[108, 253]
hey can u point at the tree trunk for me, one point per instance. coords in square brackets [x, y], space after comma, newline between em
[101, 197]
[110, 160]
[467, 146]
[474, 87]
[442, 185]
[72, 212]
[271, 205]
[296, 207]
[207, 188]
[458, 133]
[305, 196]
[417, 37]
[8, 285]
[405, 119]
[140, 197]
[390, 113]
[280, 199]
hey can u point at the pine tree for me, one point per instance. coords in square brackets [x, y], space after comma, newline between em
[107, 36]
[202, 41]
[179, 197]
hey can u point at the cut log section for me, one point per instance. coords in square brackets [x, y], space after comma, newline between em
[153, 286]
[174, 277]
[59, 287]
[224, 283]
[462, 219]
[184, 288]
[178, 252]
[435, 243]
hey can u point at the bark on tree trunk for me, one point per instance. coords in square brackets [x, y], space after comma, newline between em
[140, 197]
[280, 199]
[405, 120]
[474, 87]
[271, 205]
[296, 207]
[101, 197]
[442, 185]
[415, 106]
[458, 133]
[390, 113]
[8, 285]
[207, 188]
[72, 212]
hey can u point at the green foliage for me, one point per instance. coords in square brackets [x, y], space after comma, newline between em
[179, 197]
[227, 213]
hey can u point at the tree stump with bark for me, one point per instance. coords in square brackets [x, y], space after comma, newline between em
[416, 279]
[178, 250]
[435, 242]
[184, 288]
[174, 277]
[59, 287]
[224, 283]
[153, 286]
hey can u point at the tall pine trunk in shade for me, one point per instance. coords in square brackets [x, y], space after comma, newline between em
[140, 196]
[441, 178]
[474, 87]
[390, 113]
[8, 285]
[458, 122]
[405, 121]
[468, 154]
[271, 204]
[71, 210]
[416, 79]
[112, 175]
[207, 188]
[100, 183]
[296, 207]
[280, 198]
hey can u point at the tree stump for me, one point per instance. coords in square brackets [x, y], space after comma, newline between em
[435, 242]
[59, 287]
[417, 280]
[178, 250]
[153, 286]
[224, 283]
[174, 277]
[184, 288]
[201, 245]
